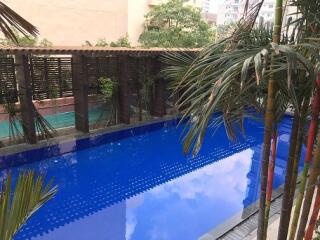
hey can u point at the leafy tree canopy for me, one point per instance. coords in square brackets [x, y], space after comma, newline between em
[174, 24]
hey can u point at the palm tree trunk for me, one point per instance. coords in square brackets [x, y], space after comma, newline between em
[269, 118]
[303, 118]
[308, 156]
[286, 206]
[270, 178]
[314, 173]
[314, 215]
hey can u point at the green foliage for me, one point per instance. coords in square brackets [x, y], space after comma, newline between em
[45, 43]
[224, 31]
[232, 74]
[173, 24]
[121, 42]
[107, 88]
[87, 43]
[25, 41]
[102, 42]
[17, 206]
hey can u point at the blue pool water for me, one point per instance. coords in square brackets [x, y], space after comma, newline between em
[144, 187]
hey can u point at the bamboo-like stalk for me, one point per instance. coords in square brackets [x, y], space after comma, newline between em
[286, 206]
[314, 173]
[270, 178]
[314, 215]
[303, 118]
[308, 156]
[269, 118]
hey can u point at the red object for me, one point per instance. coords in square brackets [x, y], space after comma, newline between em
[314, 122]
[314, 216]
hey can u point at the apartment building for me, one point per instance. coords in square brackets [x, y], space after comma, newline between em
[231, 11]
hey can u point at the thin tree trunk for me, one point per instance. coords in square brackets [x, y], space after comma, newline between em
[286, 206]
[314, 215]
[314, 173]
[303, 118]
[269, 118]
[308, 156]
[270, 178]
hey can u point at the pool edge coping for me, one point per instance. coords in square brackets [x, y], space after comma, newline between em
[25, 148]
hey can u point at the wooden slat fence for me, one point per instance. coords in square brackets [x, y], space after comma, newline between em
[8, 84]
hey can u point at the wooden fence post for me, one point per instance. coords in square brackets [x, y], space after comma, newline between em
[158, 99]
[124, 75]
[80, 92]
[25, 98]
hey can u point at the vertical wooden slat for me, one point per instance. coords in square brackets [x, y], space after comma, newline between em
[124, 110]
[25, 97]
[80, 92]
[8, 84]
[158, 99]
[45, 71]
[60, 78]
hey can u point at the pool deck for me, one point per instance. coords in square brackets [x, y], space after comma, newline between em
[243, 225]
[247, 229]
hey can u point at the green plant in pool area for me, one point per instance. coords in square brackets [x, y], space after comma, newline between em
[18, 204]
[244, 70]
[107, 88]
[108, 91]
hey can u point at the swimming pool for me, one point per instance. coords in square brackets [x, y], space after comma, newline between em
[58, 120]
[136, 184]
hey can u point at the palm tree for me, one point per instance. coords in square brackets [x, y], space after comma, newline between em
[11, 21]
[314, 174]
[17, 206]
[30, 192]
[270, 177]
[308, 24]
[314, 215]
[308, 156]
[232, 77]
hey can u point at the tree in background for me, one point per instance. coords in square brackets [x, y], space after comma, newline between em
[175, 25]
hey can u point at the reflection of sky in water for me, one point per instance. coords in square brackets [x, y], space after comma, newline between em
[190, 205]
[145, 188]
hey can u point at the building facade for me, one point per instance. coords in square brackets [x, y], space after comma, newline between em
[73, 22]
[230, 11]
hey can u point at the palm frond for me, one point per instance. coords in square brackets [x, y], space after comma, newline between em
[10, 20]
[16, 206]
